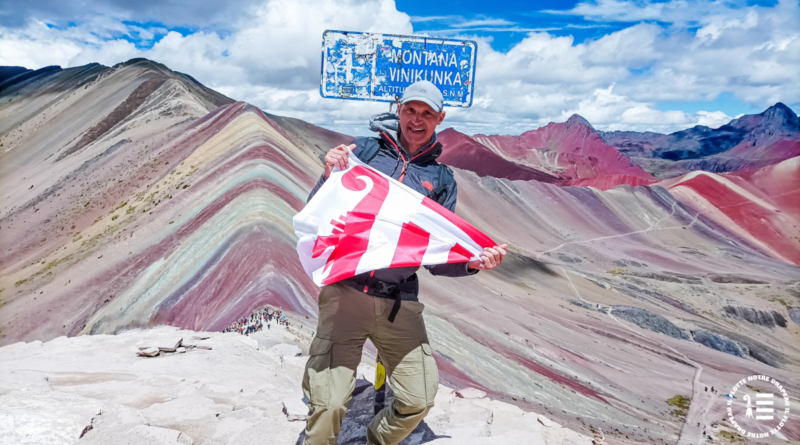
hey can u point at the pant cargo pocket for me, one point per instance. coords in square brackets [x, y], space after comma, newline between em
[431, 374]
[317, 377]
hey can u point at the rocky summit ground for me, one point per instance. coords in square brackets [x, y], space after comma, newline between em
[216, 389]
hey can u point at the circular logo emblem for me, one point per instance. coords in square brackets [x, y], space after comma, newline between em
[755, 412]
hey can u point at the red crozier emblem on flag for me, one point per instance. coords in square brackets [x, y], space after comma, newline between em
[361, 220]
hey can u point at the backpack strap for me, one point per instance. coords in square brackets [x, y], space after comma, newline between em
[371, 148]
[445, 179]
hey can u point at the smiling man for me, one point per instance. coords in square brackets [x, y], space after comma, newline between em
[382, 306]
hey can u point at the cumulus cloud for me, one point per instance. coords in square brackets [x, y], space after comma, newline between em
[267, 53]
[681, 12]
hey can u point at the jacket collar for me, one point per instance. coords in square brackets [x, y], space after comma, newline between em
[388, 125]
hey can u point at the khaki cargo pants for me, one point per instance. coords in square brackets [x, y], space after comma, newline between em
[347, 318]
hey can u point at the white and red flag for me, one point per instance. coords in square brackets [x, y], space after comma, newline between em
[361, 220]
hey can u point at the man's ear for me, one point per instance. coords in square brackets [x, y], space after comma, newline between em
[441, 117]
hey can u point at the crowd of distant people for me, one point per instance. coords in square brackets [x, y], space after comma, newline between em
[256, 321]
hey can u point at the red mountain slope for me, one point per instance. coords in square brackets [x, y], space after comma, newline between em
[463, 152]
[571, 152]
[761, 206]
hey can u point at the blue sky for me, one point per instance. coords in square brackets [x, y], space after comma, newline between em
[624, 65]
[519, 16]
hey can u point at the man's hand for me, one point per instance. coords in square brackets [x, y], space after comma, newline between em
[491, 257]
[337, 157]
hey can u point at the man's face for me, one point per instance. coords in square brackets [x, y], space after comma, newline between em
[418, 121]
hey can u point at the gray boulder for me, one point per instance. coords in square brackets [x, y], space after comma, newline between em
[794, 314]
[757, 350]
[720, 343]
[761, 318]
[648, 320]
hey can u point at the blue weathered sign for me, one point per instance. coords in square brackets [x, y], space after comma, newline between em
[367, 66]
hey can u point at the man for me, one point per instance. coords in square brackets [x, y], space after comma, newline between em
[383, 305]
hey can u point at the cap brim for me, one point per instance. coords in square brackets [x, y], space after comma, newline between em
[421, 99]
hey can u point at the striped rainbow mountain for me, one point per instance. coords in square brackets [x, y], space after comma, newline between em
[642, 266]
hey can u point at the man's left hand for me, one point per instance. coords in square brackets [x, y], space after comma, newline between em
[491, 257]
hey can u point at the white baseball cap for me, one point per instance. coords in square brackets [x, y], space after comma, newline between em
[424, 91]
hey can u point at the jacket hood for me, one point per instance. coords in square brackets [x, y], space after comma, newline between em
[388, 125]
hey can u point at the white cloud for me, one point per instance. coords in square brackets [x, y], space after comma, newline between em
[484, 22]
[434, 18]
[269, 56]
[713, 119]
[677, 11]
[36, 47]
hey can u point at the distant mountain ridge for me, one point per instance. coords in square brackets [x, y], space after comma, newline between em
[575, 153]
[745, 143]
[565, 153]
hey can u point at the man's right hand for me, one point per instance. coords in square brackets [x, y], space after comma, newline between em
[337, 157]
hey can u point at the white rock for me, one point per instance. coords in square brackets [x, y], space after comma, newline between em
[507, 420]
[553, 436]
[229, 428]
[249, 414]
[573, 438]
[547, 422]
[276, 430]
[438, 416]
[471, 393]
[443, 398]
[139, 434]
[284, 350]
[212, 389]
[445, 390]
[127, 417]
[169, 344]
[22, 349]
[498, 405]
[469, 430]
[464, 411]
[180, 350]
[248, 341]
[189, 409]
[294, 368]
[367, 371]
[21, 378]
[196, 394]
[151, 351]
[42, 417]
[295, 409]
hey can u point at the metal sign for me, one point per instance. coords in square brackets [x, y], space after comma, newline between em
[379, 67]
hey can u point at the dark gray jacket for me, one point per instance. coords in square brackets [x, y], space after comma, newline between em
[419, 170]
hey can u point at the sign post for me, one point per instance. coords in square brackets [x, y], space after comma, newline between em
[378, 67]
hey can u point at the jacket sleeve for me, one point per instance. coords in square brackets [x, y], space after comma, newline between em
[320, 181]
[454, 270]
[359, 146]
